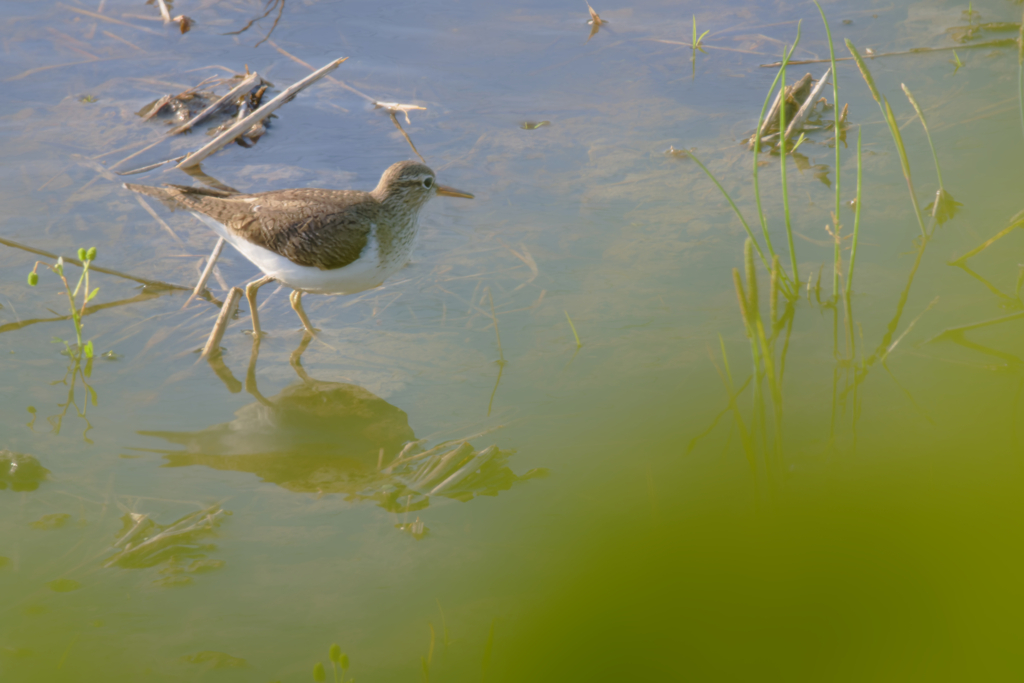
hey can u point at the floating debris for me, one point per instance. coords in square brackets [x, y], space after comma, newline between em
[245, 104]
[144, 543]
[451, 469]
[396, 108]
[804, 109]
[595, 22]
[188, 108]
[679, 153]
[533, 125]
[417, 529]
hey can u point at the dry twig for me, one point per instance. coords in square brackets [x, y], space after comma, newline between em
[263, 112]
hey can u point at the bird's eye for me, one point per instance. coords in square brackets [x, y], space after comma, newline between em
[427, 182]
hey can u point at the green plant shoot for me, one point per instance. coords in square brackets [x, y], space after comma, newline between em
[697, 41]
[86, 257]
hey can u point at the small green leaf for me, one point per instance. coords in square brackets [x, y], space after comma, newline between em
[343, 661]
[92, 294]
[335, 653]
[319, 675]
[88, 349]
[799, 141]
[81, 254]
[91, 254]
[33, 279]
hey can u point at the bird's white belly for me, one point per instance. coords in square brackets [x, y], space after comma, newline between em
[365, 273]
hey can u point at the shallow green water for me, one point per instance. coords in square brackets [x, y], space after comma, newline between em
[885, 546]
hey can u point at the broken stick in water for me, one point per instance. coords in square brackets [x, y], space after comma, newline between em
[164, 12]
[246, 84]
[217, 334]
[263, 112]
[793, 92]
[211, 262]
[806, 107]
[93, 267]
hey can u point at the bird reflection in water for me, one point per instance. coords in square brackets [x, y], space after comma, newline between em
[332, 437]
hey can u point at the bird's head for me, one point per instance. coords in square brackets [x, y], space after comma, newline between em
[412, 184]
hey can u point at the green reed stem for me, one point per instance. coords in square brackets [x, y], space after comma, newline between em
[745, 437]
[856, 220]
[1020, 71]
[753, 299]
[894, 129]
[782, 168]
[735, 208]
[757, 143]
[773, 293]
[835, 103]
[920, 115]
[578, 342]
[836, 259]
[741, 296]
[752, 336]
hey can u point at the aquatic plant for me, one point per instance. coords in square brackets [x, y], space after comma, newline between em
[339, 661]
[85, 257]
[78, 352]
[761, 435]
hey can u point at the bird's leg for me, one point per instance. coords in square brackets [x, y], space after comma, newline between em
[296, 298]
[250, 295]
[296, 358]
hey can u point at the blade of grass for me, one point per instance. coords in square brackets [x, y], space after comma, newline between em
[920, 115]
[856, 220]
[757, 326]
[835, 110]
[757, 418]
[894, 129]
[790, 289]
[782, 170]
[735, 208]
[573, 327]
[1020, 71]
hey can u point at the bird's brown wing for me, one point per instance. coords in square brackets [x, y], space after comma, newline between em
[325, 229]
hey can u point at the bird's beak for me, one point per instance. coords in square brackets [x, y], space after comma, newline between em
[446, 191]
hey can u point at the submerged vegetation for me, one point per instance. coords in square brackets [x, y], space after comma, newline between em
[264, 523]
[77, 352]
[762, 439]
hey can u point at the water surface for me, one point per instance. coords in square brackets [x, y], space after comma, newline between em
[884, 547]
